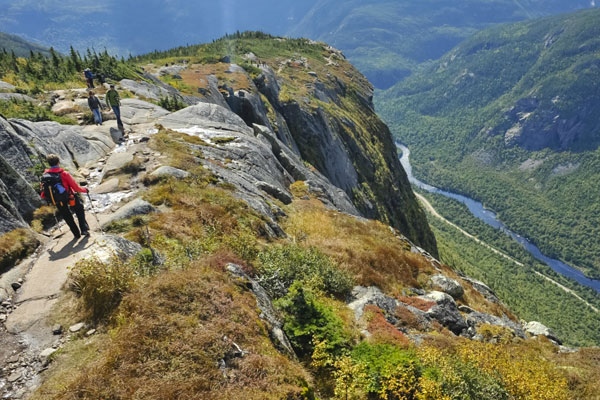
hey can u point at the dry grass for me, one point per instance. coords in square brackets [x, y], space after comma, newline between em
[381, 330]
[173, 333]
[196, 76]
[368, 250]
[15, 246]
[423, 305]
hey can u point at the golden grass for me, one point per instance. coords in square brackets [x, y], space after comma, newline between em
[15, 246]
[173, 333]
[368, 250]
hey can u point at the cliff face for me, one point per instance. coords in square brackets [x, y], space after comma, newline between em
[321, 107]
[310, 98]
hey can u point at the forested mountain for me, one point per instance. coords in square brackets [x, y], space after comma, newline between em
[20, 46]
[512, 117]
[387, 40]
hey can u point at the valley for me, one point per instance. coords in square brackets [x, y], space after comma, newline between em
[487, 139]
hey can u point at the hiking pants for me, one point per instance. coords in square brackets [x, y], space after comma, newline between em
[66, 213]
[117, 110]
[97, 115]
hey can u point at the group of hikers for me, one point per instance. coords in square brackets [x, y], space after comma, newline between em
[113, 101]
[58, 186]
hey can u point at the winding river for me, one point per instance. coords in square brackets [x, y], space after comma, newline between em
[490, 218]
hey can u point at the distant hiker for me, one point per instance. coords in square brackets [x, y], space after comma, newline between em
[100, 78]
[60, 189]
[96, 107]
[89, 78]
[114, 101]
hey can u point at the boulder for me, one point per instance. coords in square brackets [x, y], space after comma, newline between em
[475, 319]
[133, 208]
[170, 171]
[116, 161]
[484, 290]
[447, 285]
[535, 328]
[134, 111]
[144, 89]
[171, 70]
[65, 106]
[77, 327]
[110, 186]
[362, 296]
[108, 246]
[6, 86]
[16, 96]
[445, 311]
[205, 116]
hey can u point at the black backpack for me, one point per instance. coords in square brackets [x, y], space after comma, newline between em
[53, 189]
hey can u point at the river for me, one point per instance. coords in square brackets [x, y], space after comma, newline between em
[490, 218]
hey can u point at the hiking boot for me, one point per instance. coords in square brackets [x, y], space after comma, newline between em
[85, 233]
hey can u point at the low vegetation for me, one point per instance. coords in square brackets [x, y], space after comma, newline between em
[15, 246]
[24, 109]
[54, 71]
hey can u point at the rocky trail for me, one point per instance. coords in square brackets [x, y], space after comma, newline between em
[27, 335]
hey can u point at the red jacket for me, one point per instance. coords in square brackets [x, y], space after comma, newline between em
[67, 180]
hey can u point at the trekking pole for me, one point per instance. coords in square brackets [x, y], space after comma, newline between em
[57, 223]
[94, 211]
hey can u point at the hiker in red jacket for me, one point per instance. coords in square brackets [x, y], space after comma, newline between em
[59, 188]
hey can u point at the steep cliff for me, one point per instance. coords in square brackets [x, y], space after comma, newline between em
[318, 105]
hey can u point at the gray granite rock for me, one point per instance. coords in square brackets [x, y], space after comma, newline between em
[447, 285]
[484, 290]
[445, 311]
[170, 171]
[144, 89]
[206, 116]
[134, 111]
[16, 96]
[535, 328]
[6, 86]
[133, 208]
[268, 312]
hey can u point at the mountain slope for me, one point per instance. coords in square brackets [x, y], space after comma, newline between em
[515, 107]
[241, 270]
[387, 40]
[20, 46]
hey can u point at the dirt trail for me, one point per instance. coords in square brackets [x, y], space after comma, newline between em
[27, 331]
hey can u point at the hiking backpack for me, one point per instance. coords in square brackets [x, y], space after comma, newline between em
[53, 189]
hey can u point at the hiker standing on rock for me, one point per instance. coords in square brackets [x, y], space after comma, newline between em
[96, 107]
[114, 101]
[89, 78]
[60, 189]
